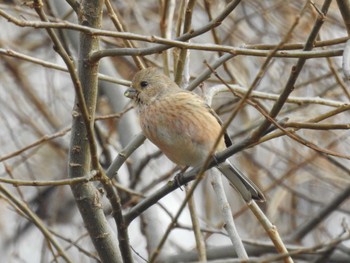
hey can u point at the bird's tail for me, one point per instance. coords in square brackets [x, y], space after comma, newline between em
[241, 183]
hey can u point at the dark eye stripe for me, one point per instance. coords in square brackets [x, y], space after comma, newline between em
[143, 84]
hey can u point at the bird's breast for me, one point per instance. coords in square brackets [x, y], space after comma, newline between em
[184, 132]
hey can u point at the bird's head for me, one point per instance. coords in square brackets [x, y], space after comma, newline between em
[149, 85]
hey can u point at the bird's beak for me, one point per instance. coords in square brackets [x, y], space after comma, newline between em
[130, 93]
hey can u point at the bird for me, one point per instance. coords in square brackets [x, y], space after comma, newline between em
[183, 126]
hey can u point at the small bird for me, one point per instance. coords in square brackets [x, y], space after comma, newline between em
[183, 126]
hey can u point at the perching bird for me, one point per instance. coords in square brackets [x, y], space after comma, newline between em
[183, 126]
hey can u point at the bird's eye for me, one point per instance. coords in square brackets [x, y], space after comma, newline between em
[143, 84]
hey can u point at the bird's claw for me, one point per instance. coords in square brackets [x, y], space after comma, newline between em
[178, 178]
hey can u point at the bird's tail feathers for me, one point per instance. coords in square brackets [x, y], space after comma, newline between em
[241, 183]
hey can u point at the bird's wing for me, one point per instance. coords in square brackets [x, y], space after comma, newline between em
[228, 141]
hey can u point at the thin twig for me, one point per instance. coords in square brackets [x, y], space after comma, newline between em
[37, 221]
[295, 71]
[115, 17]
[200, 243]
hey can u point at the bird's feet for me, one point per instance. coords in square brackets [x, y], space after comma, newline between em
[179, 178]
